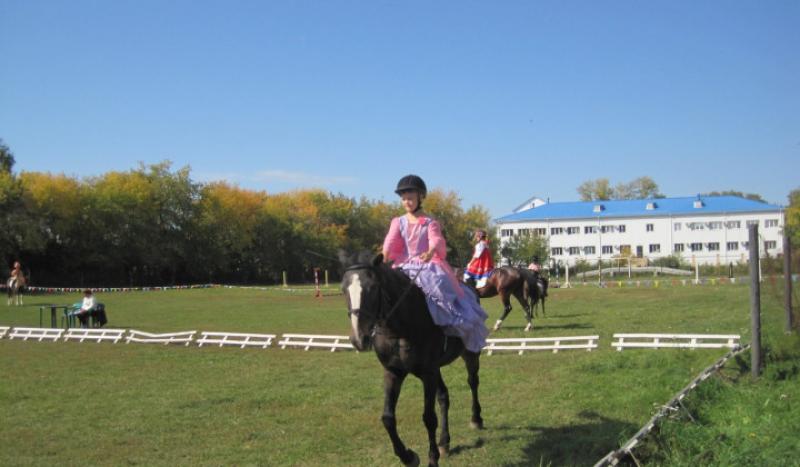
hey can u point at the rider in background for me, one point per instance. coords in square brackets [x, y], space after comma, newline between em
[481, 265]
[16, 274]
[416, 245]
[535, 266]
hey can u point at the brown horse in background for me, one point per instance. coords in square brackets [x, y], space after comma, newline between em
[506, 281]
[16, 286]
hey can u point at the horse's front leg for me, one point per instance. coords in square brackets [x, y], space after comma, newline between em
[430, 384]
[473, 364]
[443, 396]
[391, 393]
[504, 296]
[522, 299]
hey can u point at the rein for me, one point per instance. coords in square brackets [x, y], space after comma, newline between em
[384, 297]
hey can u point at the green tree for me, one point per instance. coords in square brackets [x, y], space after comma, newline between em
[793, 218]
[520, 249]
[6, 158]
[598, 189]
[751, 196]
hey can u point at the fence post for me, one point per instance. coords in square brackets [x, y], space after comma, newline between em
[787, 278]
[755, 303]
[285, 283]
[696, 272]
[326, 278]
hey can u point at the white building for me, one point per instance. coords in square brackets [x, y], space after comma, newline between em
[707, 229]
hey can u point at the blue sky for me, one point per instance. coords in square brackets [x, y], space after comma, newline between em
[498, 101]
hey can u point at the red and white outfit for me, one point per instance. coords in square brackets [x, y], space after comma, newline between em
[481, 265]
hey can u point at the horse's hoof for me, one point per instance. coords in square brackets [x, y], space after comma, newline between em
[476, 425]
[528, 327]
[414, 462]
[497, 325]
[444, 451]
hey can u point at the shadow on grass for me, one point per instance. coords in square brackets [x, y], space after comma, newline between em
[536, 325]
[576, 444]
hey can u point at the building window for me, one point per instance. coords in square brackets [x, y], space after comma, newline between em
[608, 249]
[556, 230]
[745, 245]
[588, 250]
[713, 246]
[716, 225]
[573, 230]
[606, 228]
[506, 232]
[676, 226]
[650, 227]
[733, 246]
[556, 251]
[752, 222]
[655, 248]
[621, 228]
[677, 248]
[771, 223]
[696, 246]
[770, 245]
[573, 250]
[590, 229]
[540, 232]
[525, 232]
[733, 224]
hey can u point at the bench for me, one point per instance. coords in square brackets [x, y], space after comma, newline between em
[39, 334]
[541, 343]
[313, 340]
[170, 338]
[684, 341]
[233, 338]
[96, 335]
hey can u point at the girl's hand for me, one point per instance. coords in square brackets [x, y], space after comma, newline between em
[426, 256]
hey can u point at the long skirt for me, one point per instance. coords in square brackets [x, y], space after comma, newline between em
[452, 305]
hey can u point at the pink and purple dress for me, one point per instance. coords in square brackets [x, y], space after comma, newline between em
[451, 304]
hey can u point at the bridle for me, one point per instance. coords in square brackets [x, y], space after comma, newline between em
[384, 296]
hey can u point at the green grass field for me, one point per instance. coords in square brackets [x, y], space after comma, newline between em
[68, 403]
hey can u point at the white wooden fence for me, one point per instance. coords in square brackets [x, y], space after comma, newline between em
[3, 331]
[239, 339]
[39, 334]
[171, 338]
[95, 335]
[689, 341]
[541, 343]
[315, 340]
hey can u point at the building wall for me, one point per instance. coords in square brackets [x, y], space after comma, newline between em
[713, 232]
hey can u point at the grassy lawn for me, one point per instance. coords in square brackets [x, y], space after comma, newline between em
[68, 403]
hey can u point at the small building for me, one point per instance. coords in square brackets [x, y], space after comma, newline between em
[702, 229]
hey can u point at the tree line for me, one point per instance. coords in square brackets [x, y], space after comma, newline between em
[154, 225]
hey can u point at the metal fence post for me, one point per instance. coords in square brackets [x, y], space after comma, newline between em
[755, 303]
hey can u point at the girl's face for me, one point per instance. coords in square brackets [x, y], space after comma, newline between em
[16, 264]
[409, 200]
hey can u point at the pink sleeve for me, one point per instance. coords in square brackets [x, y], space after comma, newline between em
[436, 240]
[393, 245]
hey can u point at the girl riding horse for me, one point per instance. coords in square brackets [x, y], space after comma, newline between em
[16, 284]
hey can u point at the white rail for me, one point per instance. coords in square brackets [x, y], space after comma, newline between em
[308, 341]
[39, 334]
[239, 339]
[541, 343]
[96, 335]
[686, 341]
[3, 331]
[171, 338]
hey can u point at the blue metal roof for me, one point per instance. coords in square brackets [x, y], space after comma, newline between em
[638, 208]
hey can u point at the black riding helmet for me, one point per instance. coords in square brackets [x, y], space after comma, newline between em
[411, 183]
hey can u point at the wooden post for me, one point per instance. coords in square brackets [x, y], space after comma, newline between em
[697, 272]
[326, 278]
[755, 303]
[566, 275]
[787, 279]
[285, 283]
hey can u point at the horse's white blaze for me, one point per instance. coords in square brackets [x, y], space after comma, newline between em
[354, 290]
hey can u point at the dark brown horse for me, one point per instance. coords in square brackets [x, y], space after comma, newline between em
[504, 282]
[388, 312]
[537, 289]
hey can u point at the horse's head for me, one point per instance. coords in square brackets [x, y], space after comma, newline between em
[361, 284]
